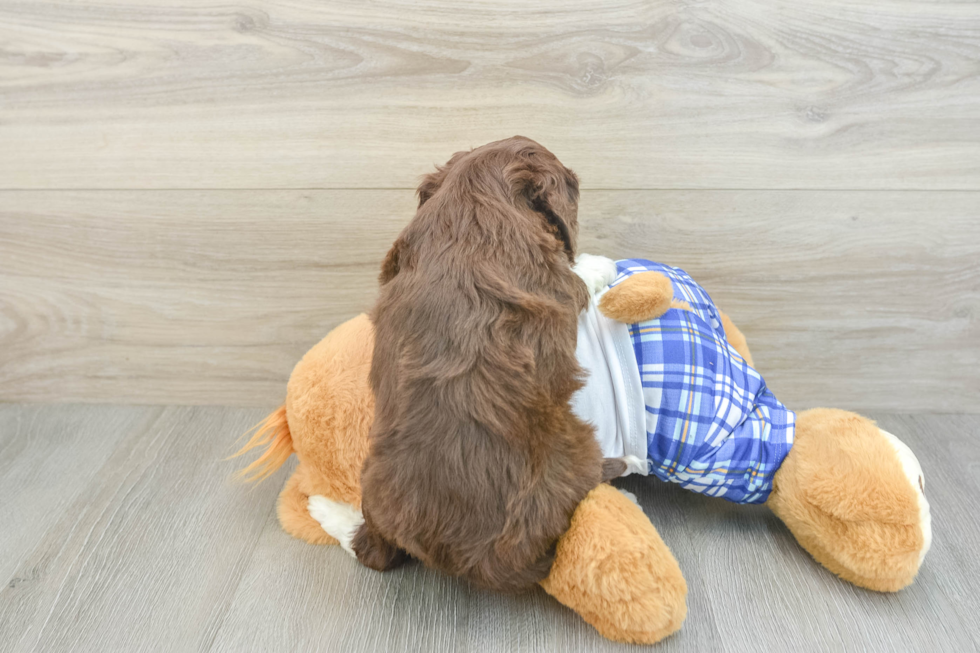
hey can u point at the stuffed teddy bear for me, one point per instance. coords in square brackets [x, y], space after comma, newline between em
[670, 389]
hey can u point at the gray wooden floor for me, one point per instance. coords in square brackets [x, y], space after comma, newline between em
[121, 531]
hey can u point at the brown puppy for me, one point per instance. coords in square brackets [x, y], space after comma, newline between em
[476, 461]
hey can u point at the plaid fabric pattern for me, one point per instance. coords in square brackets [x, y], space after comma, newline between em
[712, 424]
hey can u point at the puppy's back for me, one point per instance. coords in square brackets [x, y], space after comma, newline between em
[477, 462]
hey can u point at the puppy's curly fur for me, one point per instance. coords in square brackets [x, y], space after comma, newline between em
[476, 460]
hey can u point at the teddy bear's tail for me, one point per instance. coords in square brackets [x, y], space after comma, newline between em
[273, 434]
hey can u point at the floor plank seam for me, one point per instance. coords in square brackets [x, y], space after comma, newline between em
[246, 563]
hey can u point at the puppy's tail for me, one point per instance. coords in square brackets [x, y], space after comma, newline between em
[273, 434]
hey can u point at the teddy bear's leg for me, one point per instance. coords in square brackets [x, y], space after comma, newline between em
[338, 520]
[613, 569]
[735, 338]
[294, 515]
[852, 495]
[314, 518]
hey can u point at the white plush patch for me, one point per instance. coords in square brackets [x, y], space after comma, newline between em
[596, 271]
[339, 520]
[913, 471]
[635, 465]
[629, 495]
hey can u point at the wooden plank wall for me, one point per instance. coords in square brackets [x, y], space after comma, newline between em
[192, 195]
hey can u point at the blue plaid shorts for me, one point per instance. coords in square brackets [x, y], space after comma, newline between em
[712, 424]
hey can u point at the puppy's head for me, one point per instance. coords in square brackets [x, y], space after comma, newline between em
[525, 172]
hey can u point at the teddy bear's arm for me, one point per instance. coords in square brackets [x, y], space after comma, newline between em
[613, 568]
[641, 297]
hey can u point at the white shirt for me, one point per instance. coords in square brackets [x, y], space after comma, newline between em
[612, 398]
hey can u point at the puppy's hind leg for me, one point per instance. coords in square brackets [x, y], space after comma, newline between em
[375, 552]
[612, 468]
[616, 467]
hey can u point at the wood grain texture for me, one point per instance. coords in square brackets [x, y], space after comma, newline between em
[947, 448]
[149, 296]
[146, 554]
[673, 94]
[765, 593]
[47, 459]
[158, 551]
[853, 299]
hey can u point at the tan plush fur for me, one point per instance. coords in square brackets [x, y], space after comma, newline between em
[615, 571]
[325, 421]
[641, 297]
[293, 512]
[330, 409]
[273, 434]
[842, 493]
[841, 490]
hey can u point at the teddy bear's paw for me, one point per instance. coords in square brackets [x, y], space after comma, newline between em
[853, 496]
[339, 520]
[913, 473]
[883, 530]
[596, 271]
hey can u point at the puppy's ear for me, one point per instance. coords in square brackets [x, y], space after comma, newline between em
[392, 263]
[431, 182]
[551, 190]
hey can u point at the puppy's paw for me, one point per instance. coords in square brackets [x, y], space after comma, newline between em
[596, 271]
[374, 552]
[623, 466]
[339, 520]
